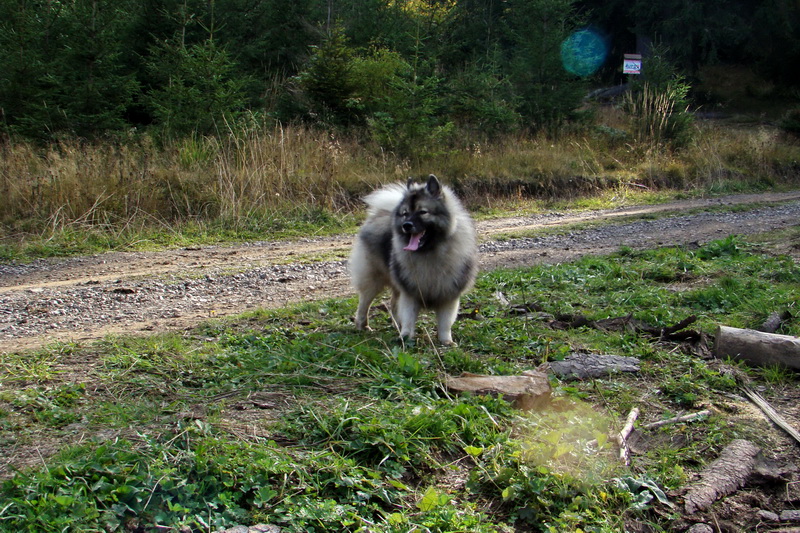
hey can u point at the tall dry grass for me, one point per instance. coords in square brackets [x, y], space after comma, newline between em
[287, 166]
[283, 168]
[74, 183]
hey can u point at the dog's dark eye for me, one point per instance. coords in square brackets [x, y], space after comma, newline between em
[422, 212]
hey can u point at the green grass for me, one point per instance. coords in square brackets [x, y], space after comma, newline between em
[291, 417]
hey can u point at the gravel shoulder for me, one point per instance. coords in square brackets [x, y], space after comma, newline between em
[85, 298]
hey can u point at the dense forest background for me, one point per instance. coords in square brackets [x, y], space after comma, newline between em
[400, 70]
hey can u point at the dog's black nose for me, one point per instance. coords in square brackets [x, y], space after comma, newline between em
[408, 227]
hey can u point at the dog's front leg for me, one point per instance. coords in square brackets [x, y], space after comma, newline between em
[407, 313]
[445, 318]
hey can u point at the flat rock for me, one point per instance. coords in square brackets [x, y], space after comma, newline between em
[700, 528]
[260, 528]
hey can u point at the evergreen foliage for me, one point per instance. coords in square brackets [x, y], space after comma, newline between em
[197, 92]
[63, 72]
[548, 95]
[327, 83]
[404, 71]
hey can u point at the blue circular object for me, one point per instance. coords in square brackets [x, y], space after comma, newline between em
[583, 52]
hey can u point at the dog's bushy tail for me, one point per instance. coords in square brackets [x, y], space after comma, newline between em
[386, 199]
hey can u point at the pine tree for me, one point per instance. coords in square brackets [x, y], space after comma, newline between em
[547, 94]
[198, 91]
[63, 73]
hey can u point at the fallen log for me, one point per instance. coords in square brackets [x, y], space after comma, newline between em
[774, 321]
[727, 474]
[587, 365]
[630, 325]
[757, 348]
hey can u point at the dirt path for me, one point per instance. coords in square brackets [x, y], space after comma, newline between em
[85, 298]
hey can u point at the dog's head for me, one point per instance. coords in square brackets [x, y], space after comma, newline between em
[422, 216]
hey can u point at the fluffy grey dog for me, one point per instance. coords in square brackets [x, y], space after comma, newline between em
[419, 240]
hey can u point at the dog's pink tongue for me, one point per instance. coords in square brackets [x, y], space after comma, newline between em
[413, 243]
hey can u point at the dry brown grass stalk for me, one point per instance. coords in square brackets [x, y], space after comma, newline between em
[245, 174]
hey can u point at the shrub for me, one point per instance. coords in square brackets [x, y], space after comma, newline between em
[790, 123]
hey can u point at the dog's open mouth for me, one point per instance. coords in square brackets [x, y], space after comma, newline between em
[414, 241]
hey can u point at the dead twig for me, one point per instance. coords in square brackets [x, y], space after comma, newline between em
[771, 413]
[675, 420]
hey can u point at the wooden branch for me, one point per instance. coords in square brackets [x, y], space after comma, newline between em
[774, 321]
[771, 413]
[679, 326]
[684, 418]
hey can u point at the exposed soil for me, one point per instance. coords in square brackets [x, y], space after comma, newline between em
[85, 298]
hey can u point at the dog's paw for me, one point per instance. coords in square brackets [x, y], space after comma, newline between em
[362, 326]
[408, 342]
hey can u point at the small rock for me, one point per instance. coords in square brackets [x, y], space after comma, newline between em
[700, 528]
[260, 528]
[265, 528]
[792, 515]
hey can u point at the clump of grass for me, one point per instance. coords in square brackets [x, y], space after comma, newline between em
[790, 122]
[36, 367]
[99, 185]
[660, 114]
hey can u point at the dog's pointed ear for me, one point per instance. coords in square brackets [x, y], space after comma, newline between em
[433, 186]
[409, 183]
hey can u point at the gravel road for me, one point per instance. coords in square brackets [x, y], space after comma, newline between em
[84, 298]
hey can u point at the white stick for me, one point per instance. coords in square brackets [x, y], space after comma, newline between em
[625, 433]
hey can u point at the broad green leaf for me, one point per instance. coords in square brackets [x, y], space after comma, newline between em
[430, 501]
[473, 451]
